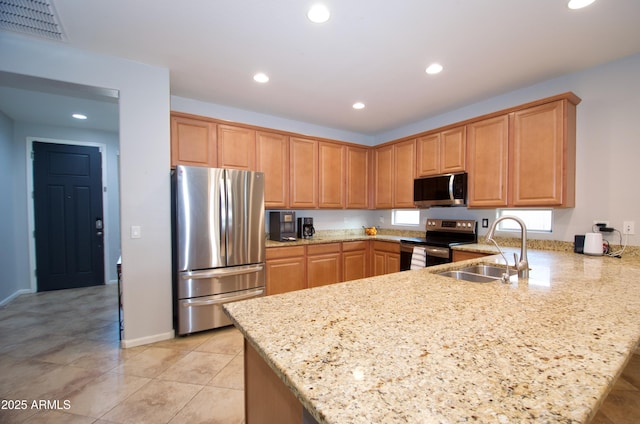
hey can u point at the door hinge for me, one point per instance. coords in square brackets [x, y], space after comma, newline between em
[104, 189]
[32, 155]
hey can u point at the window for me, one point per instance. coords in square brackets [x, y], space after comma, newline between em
[405, 217]
[535, 219]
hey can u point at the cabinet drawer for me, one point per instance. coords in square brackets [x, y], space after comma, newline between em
[284, 252]
[321, 249]
[386, 246]
[349, 246]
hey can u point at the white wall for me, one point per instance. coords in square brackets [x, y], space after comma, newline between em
[144, 168]
[9, 283]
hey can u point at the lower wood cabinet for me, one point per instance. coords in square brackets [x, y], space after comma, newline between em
[355, 260]
[386, 257]
[324, 264]
[459, 255]
[285, 269]
[292, 268]
[267, 399]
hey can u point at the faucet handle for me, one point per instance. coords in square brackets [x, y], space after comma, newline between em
[515, 259]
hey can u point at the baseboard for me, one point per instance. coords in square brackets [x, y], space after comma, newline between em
[13, 296]
[146, 340]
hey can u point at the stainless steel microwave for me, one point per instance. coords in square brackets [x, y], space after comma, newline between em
[441, 190]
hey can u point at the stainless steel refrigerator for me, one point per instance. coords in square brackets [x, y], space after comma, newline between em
[219, 243]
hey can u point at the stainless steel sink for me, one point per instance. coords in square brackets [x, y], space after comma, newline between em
[467, 276]
[489, 270]
[479, 273]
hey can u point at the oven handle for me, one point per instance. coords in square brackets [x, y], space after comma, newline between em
[438, 252]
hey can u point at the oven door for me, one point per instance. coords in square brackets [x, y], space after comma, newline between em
[435, 255]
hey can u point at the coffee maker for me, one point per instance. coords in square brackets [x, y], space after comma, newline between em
[305, 228]
[282, 226]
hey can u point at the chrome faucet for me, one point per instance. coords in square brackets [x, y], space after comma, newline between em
[521, 265]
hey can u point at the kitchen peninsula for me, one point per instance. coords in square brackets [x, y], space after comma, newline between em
[418, 347]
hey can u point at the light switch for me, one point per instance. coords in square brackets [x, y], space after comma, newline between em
[136, 232]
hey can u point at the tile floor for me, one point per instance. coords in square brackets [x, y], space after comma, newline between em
[63, 346]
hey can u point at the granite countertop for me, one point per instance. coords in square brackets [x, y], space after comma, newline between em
[418, 347]
[336, 238]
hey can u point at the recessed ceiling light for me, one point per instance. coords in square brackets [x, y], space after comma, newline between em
[79, 116]
[358, 105]
[318, 13]
[434, 68]
[261, 77]
[579, 4]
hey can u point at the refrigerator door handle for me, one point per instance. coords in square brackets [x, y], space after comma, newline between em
[226, 299]
[222, 272]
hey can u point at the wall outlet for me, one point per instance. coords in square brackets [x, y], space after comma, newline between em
[601, 221]
[628, 227]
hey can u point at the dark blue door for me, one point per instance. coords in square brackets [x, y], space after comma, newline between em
[68, 216]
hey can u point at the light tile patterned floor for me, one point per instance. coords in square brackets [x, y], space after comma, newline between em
[63, 346]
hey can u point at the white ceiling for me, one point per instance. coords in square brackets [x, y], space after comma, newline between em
[374, 51]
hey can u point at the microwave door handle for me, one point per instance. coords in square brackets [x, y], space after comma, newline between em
[451, 187]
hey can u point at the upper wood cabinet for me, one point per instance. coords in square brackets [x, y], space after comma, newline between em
[303, 171]
[358, 170]
[383, 177]
[394, 166]
[487, 160]
[542, 155]
[404, 159]
[441, 153]
[272, 156]
[193, 142]
[236, 147]
[331, 179]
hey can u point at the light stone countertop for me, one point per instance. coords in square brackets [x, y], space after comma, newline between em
[420, 348]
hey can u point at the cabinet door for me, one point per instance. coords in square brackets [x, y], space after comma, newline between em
[357, 190]
[383, 177]
[324, 264]
[285, 275]
[392, 262]
[303, 167]
[539, 156]
[354, 260]
[487, 158]
[193, 142]
[428, 155]
[331, 179]
[453, 150]
[379, 263]
[236, 147]
[272, 154]
[404, 173]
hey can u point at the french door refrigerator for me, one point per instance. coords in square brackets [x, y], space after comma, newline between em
[219, 243]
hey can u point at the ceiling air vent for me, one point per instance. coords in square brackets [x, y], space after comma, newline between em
[33, 17]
